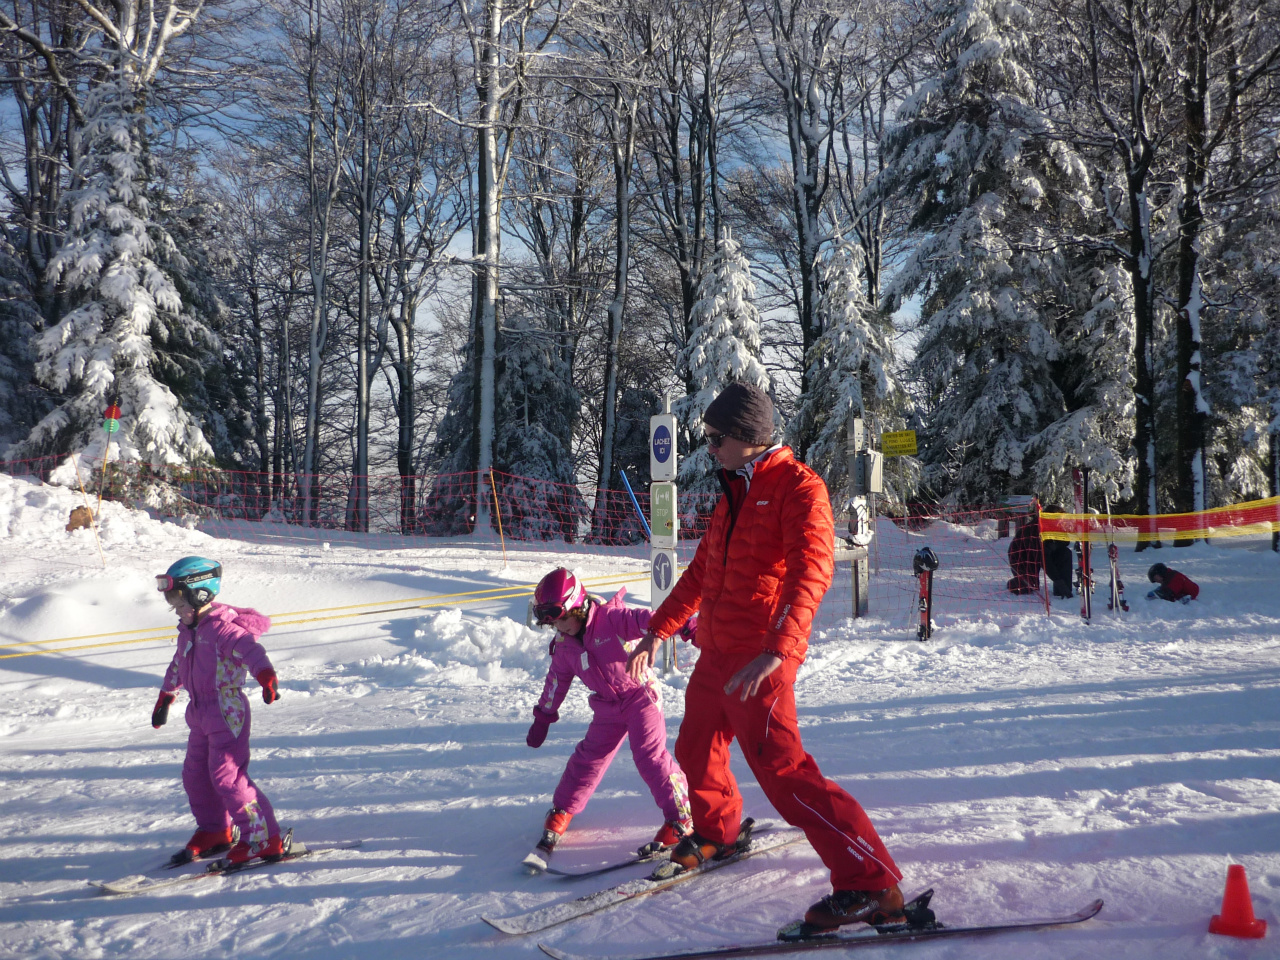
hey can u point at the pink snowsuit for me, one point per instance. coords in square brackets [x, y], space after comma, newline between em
[622, 706]
[211, 662]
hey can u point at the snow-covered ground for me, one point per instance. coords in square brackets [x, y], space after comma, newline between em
[1020, 765]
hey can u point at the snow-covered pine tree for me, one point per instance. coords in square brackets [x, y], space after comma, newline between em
[1242, 351]
[200, 355]
[850, 367]
[1095, 332]
[449, 507]
[536, 407]
[969, 153]
[21, 402]
[103, 349]
[724, 348]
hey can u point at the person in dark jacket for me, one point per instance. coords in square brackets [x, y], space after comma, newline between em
[1172, 585]
[1026, 558]
[1059, 562]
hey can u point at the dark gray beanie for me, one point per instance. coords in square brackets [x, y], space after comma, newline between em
[742, 411]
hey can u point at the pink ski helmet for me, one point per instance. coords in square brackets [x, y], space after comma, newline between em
[556, 594]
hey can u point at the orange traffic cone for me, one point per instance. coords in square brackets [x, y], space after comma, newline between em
[1236, 919]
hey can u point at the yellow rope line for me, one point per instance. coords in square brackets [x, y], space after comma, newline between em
[437, 601]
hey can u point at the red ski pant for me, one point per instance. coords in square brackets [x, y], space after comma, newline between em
[766, 730]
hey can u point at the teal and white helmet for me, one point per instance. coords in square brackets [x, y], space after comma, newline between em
[198, 578]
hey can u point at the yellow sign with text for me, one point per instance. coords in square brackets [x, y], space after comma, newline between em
[900, 443]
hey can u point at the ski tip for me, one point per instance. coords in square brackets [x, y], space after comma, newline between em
[534, 865]
[551, 951]
[503, 925]
[1092, 910]
[122, 887]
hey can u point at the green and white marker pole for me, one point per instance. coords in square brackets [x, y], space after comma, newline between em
[664, 520]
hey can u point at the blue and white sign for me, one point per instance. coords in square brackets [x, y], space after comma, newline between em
[662, 576]
[661, 443]
[662, 447]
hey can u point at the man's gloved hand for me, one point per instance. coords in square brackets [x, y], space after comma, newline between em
[270, 686]
[537, 732]
[1151, 595]
[160, 712]
[1184, 600]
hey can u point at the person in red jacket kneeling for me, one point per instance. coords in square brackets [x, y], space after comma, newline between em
[1172, 584]
[756, 580]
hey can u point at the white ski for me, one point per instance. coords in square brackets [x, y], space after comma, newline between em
[141, 883]
[558, 913]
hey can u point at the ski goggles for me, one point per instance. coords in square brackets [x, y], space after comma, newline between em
[546, 613]
[165, 583]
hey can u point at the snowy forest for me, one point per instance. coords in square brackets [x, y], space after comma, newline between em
[416, 238]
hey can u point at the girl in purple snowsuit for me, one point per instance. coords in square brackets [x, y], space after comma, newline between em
[592, 643]
[217, 646]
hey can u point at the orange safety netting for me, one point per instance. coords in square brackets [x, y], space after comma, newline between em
[1254, 518]
[975, 578]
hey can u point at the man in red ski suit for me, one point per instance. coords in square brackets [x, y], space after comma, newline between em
[756, 580]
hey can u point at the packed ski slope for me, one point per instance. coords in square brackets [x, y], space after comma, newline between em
[1020, 765]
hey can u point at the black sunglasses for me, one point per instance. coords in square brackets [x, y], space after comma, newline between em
[714, 440]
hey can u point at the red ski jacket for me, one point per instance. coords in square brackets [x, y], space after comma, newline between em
[762, 567]
[1180, 585]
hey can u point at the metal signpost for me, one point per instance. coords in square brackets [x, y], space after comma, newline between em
[866, 477]
[664, 518]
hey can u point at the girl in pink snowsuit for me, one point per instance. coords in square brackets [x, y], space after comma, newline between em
[217, 647]
[592, 643]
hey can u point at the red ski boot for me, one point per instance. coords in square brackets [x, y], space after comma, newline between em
[271, 850]
[668, 835]
[553, 829]
[205, 843]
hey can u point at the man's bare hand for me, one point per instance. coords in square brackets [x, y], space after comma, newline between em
[752, 675]
[642, 655]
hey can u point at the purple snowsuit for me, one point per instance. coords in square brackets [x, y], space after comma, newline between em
[622, 706]
[211, 662]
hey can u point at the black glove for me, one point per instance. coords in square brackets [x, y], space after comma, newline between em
[160, 713]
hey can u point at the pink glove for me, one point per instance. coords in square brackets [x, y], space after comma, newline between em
[537, 732]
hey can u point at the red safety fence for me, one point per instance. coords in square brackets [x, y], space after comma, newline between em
[974, 579]
[1255, 518]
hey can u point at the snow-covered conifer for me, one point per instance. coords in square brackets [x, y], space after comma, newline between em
[21, 404]
[536, 407]
[724, 348]
[974, 156]
[102, 349]
[850, 365]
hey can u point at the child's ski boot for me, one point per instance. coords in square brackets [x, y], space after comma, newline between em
[553, 829]
[205, 843]
[668, 835]
[270, 850]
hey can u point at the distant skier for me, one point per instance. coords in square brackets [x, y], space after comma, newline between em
[217, 645]
[1172, 585]
[1058, 562]
[591, 643]
[1025, 558]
